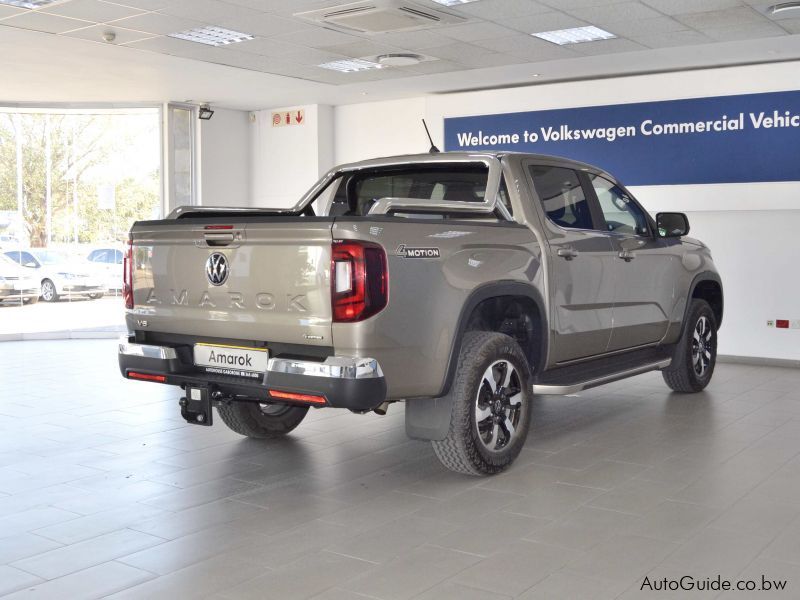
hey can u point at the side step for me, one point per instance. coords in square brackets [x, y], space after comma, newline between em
[554, 389]
[573, 378]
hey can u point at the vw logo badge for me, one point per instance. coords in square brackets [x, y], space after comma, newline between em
[217, 268]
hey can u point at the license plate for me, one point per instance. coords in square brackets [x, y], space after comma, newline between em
[231, 360]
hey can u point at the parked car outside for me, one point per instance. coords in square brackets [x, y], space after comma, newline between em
[58, 275]
[109, 264]
[17, 283]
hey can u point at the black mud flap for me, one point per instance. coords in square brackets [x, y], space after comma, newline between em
[196, 406]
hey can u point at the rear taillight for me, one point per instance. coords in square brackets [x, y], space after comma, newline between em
[359, 280]
[127, 275]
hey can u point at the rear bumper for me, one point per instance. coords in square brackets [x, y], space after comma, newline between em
[341, 381]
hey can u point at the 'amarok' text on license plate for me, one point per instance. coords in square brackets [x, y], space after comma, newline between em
[231, 360]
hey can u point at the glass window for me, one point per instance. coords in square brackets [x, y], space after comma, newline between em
[562, 196]
[622, 215]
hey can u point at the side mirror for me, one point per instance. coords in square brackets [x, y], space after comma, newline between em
[672, 224]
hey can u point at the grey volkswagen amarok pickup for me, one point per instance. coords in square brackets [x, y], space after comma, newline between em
[461, 284]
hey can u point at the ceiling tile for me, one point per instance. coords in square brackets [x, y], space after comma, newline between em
[39, 21]
[674, 39]
[607, 47]
[208, 11]
[157, 23]
[361, 48]
[472, 32]
[526, 46]
[791, 25]
[144, 4]
[410, 40]
[265, 47]
[10, 11]
[318, 37]
[745, 32]
[721, 18]
[95, 34]
[311, 56]
[497, 9]
[678, 7]
[456, 51]
[262, 24]
[492, 59]
[91, 10]
[434, 66]
[625, 11]
[570, 4]
[177, 47]
[543, 22]
[641, 27]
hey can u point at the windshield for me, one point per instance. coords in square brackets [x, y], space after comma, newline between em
[353, 194]
[5, 261]
[50, 257]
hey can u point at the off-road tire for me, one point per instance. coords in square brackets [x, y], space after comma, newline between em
[248, 419]
[682, 375]
[462, 450]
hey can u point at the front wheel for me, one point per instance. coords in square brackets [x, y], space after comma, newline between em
[96, 296]
[261, 421]
[490, 400]
[696, 355]
[49, 293]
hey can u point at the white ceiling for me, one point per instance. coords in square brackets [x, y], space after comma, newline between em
[56, 53]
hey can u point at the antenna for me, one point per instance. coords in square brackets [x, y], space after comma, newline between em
[433, 149]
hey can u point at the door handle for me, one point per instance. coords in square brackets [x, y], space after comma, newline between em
[627, 255]
[567, 253]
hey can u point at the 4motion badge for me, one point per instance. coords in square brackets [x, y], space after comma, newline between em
[409, 252]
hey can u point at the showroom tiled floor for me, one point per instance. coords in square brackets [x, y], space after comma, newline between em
[104, 491]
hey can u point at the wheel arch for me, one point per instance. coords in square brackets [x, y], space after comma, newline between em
[708, 286]
[512, 307]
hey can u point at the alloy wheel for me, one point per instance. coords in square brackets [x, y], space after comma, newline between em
[702, 346]
[48, 291]
[498, 405]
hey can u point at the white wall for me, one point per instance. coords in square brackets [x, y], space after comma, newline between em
[286, 161]
[224, 157]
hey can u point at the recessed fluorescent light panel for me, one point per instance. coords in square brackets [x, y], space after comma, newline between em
[350, 65]
[212, 36]
[576, 35]
[453, 2]
[27, 3]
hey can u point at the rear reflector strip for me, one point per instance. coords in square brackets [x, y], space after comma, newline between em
[147, 377]
[310, 399]
[218, 227]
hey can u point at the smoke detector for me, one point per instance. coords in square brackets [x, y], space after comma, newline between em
[380, 16]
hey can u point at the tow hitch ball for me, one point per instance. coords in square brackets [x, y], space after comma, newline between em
[196, 406]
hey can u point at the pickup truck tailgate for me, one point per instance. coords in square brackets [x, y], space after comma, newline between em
[265, 280]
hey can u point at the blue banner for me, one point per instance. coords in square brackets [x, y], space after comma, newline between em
[724, 139]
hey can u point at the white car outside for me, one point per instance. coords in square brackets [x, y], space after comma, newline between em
[58, 275]
[17, 283]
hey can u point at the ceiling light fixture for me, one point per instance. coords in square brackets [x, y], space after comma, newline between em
[575, 35]
[453, 2]
[399, 59]
[350, 65]
[783, 6]
[27, 3]
[212, 35]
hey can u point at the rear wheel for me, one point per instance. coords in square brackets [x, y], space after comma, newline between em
[261, 420]
[694, 360]
[49, 293]
[96, 296]
[490, 406]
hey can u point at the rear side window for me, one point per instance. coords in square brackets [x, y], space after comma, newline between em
[562, 196]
